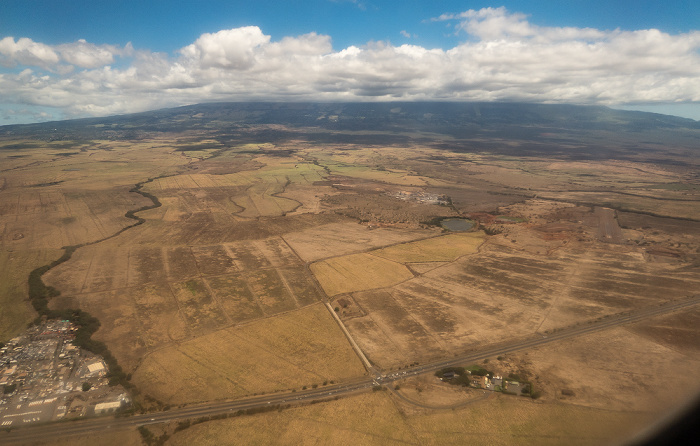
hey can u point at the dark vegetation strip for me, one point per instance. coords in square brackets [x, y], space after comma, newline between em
[612, 205]
[52, 183]
[150, 439]
[40, 293]
[623, 208]
[630, 194]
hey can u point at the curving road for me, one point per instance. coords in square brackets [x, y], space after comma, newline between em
[47, 432]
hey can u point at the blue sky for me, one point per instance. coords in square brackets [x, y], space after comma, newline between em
[62, 59]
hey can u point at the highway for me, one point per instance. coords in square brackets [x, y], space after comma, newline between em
[49, 431]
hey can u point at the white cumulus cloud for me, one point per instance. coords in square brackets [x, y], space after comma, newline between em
[231, 48]
[503, 57]
[87, 55]
[25, 51]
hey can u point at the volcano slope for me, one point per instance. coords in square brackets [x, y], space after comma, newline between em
[267, 211]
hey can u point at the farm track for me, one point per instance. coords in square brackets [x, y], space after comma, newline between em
[459, 405]
[49, 431]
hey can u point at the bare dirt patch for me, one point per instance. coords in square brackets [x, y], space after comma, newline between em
[677, 331]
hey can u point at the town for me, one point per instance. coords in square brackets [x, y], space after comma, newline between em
[44, 377]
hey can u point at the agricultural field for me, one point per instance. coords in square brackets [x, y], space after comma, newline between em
[122, 438]
[163, 294]
[335, 239]
[357, 272]
[521, 282]
[624, 369]
[56, 194]
[439, 249]
[299, 348]
[209, 254]
[379, 418]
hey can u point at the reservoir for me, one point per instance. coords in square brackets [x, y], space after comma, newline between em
[457, 224]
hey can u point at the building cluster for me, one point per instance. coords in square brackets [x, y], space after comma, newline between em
[44, 377]
[490, 382]
[422, 197]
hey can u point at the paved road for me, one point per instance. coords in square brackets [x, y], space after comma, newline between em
[47, 432]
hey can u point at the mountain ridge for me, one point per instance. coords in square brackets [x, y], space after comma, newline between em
[321, 113]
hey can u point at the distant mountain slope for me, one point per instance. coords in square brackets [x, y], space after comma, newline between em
[513, 129]
[446, 117]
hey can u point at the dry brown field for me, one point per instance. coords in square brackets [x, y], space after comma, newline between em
[446, 248]
[15, 266]
[637, 202]
[521, 282]
[56, 194]
[625, 369]
[150, 296]
[336, 239]
[299, 348]
[356, 272]
[218, 294]
[379, 418]
[114, 438]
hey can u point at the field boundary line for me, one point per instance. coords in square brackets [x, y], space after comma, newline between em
[369, 250]
[213, 295]
[287, 287]
[349, 337]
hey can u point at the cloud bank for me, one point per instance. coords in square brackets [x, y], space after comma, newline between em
[503, 57]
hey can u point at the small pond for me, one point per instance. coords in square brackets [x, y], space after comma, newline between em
[457, 224]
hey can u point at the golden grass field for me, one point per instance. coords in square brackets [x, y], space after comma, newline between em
[118, 438]
[356, 272]
[439, 249]
[336, 239]
[379, 419]
[623, 369]
[300, 348]
[14, 268]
